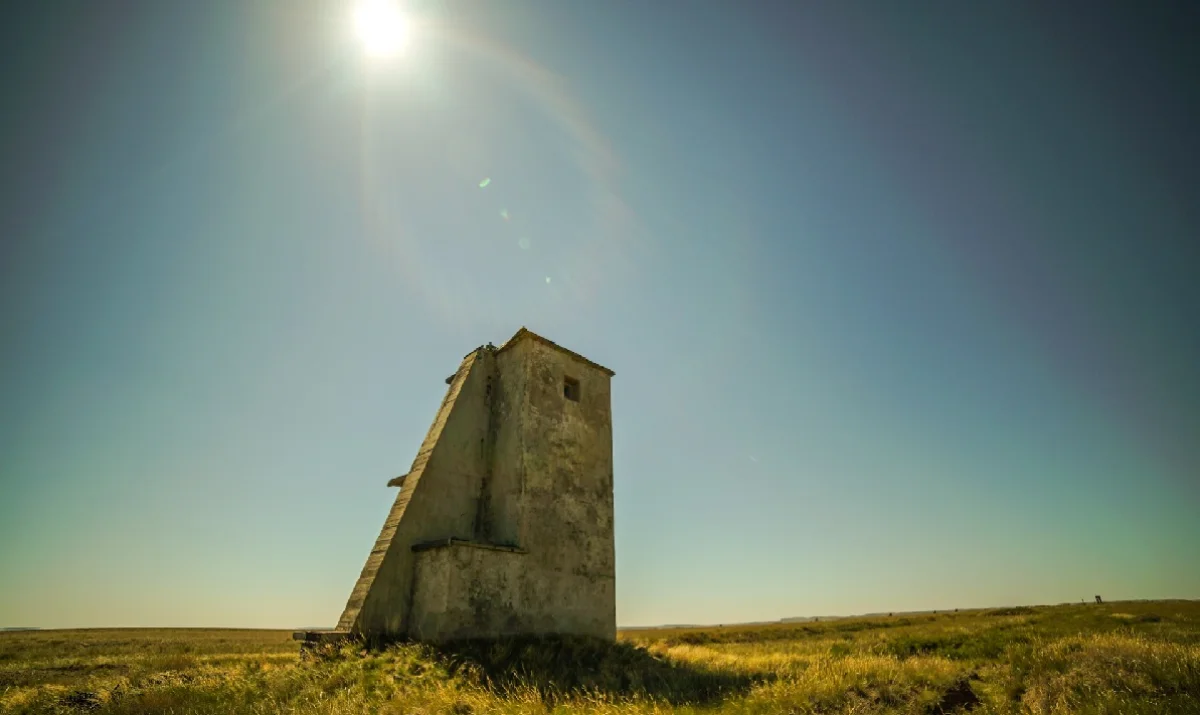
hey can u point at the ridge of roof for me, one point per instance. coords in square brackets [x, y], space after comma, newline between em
[527, 333]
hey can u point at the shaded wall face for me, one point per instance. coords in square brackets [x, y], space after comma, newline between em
[567, 463]
[459, 463]
[467, 592]
[502, 521]
[463, 591]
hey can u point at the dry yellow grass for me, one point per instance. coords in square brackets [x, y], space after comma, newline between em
[1130, 658]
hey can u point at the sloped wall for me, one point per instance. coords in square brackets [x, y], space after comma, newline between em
[439, 499]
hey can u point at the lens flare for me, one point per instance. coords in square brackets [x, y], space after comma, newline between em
[382, 28]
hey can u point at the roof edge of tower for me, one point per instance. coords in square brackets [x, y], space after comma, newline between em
[527, 333]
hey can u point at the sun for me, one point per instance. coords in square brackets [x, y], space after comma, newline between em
[381, 27]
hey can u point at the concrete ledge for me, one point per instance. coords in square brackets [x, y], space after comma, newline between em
[320, 637]
[443, 543]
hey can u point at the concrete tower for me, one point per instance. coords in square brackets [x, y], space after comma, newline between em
[504, 524]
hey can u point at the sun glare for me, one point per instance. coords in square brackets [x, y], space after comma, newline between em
[381, 27]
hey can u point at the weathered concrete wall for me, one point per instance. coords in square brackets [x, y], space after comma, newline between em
[469, 591]
[567, 500]
[439, 499]
[466, 590]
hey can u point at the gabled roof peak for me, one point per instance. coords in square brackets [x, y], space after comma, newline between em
[527, 333]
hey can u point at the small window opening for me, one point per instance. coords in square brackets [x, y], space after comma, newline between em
[571, 389]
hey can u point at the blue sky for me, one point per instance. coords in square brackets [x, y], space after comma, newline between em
[900, 299]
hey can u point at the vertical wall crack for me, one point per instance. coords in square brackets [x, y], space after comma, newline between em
[487, 447]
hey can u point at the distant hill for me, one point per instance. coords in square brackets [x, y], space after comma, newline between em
[802, 619]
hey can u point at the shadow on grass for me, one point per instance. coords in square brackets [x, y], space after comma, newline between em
[558, 666]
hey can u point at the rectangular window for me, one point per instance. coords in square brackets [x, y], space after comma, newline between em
[571, 389]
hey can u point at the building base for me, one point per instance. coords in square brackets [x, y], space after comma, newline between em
[313, 639]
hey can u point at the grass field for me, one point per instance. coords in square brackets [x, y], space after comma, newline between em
[1129, 658]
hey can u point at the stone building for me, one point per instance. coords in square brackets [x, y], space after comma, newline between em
[504, 524]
